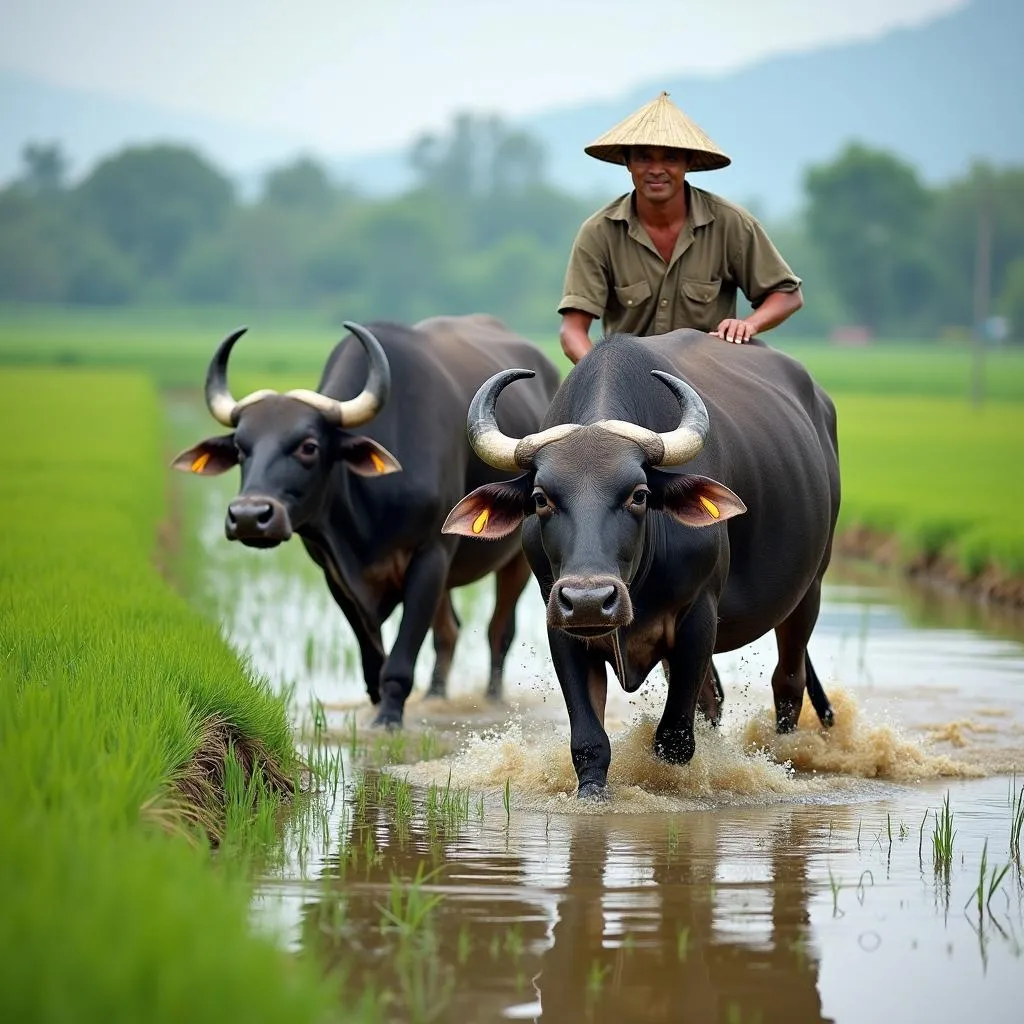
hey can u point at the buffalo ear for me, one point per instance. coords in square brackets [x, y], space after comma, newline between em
[492, 511]
[694, 500]
[367, 458]
[211, 457]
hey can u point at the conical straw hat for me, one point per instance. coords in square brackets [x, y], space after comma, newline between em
[659, 123]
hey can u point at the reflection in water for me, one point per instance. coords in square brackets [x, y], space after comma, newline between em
[790, 913]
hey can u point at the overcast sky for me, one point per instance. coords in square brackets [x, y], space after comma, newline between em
[354, 76]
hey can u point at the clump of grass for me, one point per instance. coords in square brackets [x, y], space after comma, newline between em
[943, 835]
[447, 809]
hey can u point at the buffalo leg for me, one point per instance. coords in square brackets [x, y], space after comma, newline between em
[794, 671]
[371, 646]
[689, 669]
[509, 582]
[424, 584]
[588, 742]
[711, 696]
[446, 634]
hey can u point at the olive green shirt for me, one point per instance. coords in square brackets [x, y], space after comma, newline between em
[616, 273]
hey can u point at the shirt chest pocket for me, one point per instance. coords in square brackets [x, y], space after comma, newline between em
[700, 291]
[632, 295]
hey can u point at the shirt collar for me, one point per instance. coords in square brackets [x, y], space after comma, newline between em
[700, 212]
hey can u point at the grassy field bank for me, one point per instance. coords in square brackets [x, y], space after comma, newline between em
[942, 477]
[110, 686]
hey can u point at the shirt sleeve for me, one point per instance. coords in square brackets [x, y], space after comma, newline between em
[760, 269]
[586, 277]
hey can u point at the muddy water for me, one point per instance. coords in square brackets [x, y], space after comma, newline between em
[788, 879]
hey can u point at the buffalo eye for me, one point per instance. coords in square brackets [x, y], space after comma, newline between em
[540, 501]
[638, 499]
[308, 450]
[240, 452]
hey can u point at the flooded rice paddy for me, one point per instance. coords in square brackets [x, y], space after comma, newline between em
[851, 876]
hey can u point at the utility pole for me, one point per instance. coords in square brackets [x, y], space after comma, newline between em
[982, 286]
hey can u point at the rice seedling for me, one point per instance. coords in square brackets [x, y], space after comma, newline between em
[447, 810]
[410, 906]
[835, 887]
[1016, 820]
[507, 802]
[861, 890]
[943, 836]
[920, 838]
[431, 746]
[464, 946]
[596, 974]
[989, 880]
[673, 837]
[682, 943]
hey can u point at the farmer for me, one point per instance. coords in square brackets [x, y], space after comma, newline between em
[669, 255]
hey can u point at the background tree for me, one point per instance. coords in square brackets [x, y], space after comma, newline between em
[153, 202]
[45, 167]
[866, 215]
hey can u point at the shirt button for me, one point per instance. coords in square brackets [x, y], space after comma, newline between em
[664, 302]
[629, 302]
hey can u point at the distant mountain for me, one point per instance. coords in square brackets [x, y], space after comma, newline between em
[940, 95]
[90, 126]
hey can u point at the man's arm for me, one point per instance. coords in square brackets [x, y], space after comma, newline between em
[774, 310]
[575, 334]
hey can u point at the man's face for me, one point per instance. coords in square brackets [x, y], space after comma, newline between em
[657, 172]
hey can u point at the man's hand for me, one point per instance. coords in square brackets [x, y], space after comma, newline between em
[737, 331]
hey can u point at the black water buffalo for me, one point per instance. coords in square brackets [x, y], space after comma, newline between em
[376, 532]
[635, 557]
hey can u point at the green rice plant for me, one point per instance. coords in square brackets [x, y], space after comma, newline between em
[682, 943]
[130, 733]
[836, 887]
[410, 906]
[507, 802]
[431, 746]
[989, 881]
[1016, 820]
[447, 810]
[920, 837]
[943, 835]
[897, 481]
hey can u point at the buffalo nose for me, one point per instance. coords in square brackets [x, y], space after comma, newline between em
[258, 515]
[257, 519]
[588, 603]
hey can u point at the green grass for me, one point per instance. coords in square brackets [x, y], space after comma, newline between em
[113, 906]
[942, 476]
[910, 369]
[284, 349]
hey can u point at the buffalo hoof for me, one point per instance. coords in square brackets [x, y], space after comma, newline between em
[674, 746]
[387, 718]
[828, 719]
[594, 791]
[437, 691]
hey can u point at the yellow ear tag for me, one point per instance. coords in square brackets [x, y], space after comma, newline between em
[710, 507]
[481, 521]
[200, 464]
[378, 462]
